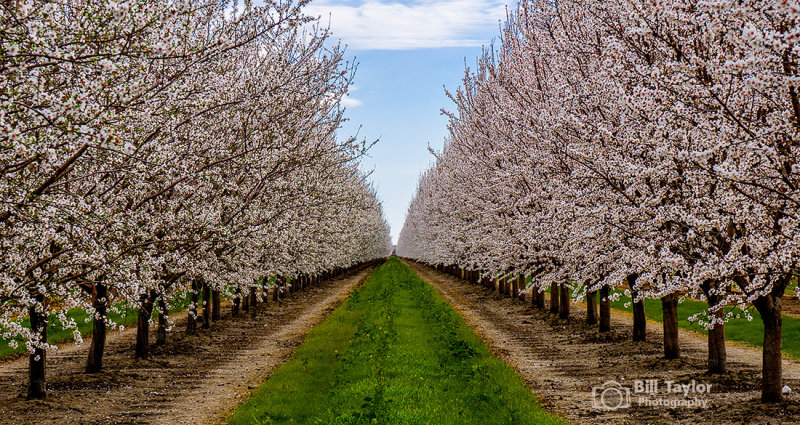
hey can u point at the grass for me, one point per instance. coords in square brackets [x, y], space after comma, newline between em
[394, 353]
[737, 329]
[56, 334]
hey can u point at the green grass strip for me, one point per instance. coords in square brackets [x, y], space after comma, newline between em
[56, 334]
[394, 353]
[750, 332]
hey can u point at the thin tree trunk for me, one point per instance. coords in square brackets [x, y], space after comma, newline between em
[669, 308]
[143, 325]
[216, 309]
[717, 353]
[94, 363]
[37, 361]
[554, 298]
[540, 301]
[563, 306]
[605, 309]
[591, 305]
[514, 287]
[639, 318]
[237, 299]
[769, 306]
[191, 319]
[206, 306]
[246, 303]
[161, 332]
[275, 288]
[253, 300]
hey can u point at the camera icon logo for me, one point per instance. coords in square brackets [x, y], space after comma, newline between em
[611, 396]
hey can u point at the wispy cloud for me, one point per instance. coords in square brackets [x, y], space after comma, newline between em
[350, 102]
[377, 25]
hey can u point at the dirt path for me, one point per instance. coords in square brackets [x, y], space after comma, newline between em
[563, 360]
[193, 379]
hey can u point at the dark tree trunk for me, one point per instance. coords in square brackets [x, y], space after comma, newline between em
[563, 305]
[253, 300]
[161, 332]
[669, 308]
[37, 361]
[206, 306]
[770, 306]
[94, 363]
[284, 286]
[554, 298]
[191, 318]
[514, 287]
[591, 305]
[216, 309]
[275, 288]
[265, 290]
[143, 325]
[237, 299]
[540, 301]
[717, 354]
[246, 303]
[639, 318]
[605, 309]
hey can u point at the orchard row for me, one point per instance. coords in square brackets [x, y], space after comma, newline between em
[650, 146]
[149, 148]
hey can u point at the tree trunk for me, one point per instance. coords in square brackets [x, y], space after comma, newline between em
[514, 287]
[143, 325]
[769, 306]
[161, 332]
[265, 290]
[253, 300]
[206, 306]
[639, 318]
[591, 305]
[605, 309]
[540, 298]
[554, 298]
[276, 286]
[669, 308]
[237, 299]
[717, 354]
[246, 303]
[563, 306]
[191, 318]
[37, 361]
[216, 309]
[94, 363]
[284, 286]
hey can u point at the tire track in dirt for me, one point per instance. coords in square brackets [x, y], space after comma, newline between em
[562, 360]
[193, 379]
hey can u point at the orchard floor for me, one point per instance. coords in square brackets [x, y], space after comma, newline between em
[563, 360]
[191, 380]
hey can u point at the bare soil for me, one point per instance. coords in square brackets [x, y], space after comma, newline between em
[192, 379]
[563, 360]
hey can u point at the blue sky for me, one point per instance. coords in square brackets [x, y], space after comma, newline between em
[407, 52]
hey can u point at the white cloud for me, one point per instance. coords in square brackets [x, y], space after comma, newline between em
[350, 102]
[375, 25]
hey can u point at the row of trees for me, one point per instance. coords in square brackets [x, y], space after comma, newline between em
[651, 145]
[149, 148]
